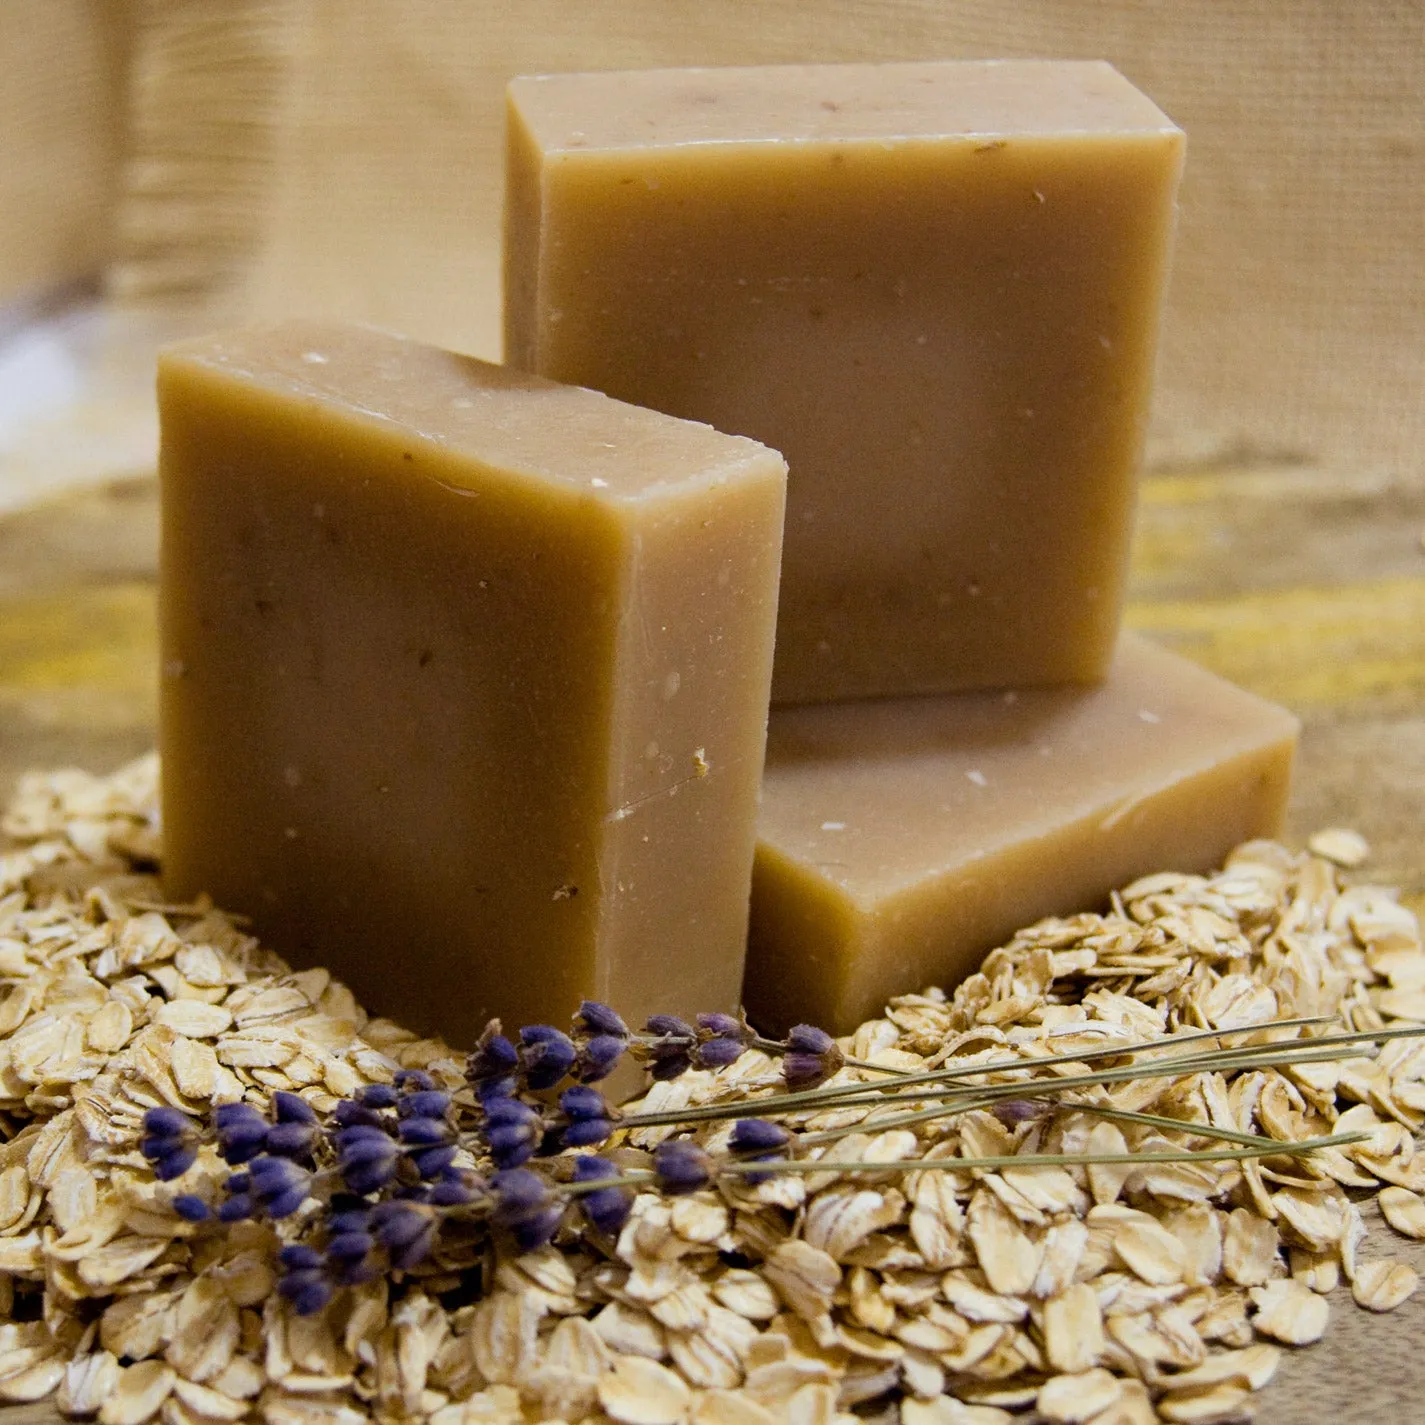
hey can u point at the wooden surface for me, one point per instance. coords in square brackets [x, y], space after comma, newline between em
[1305, 585]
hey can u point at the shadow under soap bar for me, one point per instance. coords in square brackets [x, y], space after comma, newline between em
[933, 287]
[901, 840]
[465, 675]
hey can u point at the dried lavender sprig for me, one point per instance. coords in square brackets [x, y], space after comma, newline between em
[846, 1095]
[986, 1095]
[734, 1168]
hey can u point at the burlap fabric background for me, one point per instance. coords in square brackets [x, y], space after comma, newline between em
[343, 156]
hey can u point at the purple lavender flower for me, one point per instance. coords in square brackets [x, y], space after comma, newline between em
[292, 1140]
[723, 1026]
[424, 1103]
[599, 1020]
[237, 1208]
[309, 1290]
[811, 1057]
[493, 1067]
[526, 1208]
[377, 1096]
[605, 1209]
[758, 1135]
[1013, 1111]
[170, 1142]
[681, 1166]
[292, 1108]
[407, 1230]
[513, 1130]
[432, 1162]
[598, 1058]
[241, 1132]
[191, 1208]
[590, 1120]
[717, 1053]
[367, 1158]
[669, 1026]
[413, 1081]
[424, 1132]
[349, 1114]
[546, 1055]
[279, 1186]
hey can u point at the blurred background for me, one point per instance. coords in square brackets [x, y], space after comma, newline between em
[166, 165]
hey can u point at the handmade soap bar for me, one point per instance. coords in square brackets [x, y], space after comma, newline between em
[933, 287]
[900, 840]
[465, 675]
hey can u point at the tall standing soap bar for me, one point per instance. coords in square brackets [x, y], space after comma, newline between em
[900, 840]
[933, 287]
[465, 675]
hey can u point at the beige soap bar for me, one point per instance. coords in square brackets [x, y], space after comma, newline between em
[900, 840]
[465, 675]
[933, 287]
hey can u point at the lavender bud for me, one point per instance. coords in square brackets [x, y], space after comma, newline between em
[424, 1132]
[808, 1039]
[495, 1057]
[349, 1114]
[297, 1257]
[1012, 1111]
[525, 1208]
[812, 1056]
[432, 1162]
[599, 1058]
[453, 1191]
[581, 1103]
[345, 1220]
[274, 1182]
[356, 1273]
[167, 1123]
[376, 1096]
[671, 1067]
[598, 1019]
[546, 1055]
[349, 1246]
[681, 1166]
[724, 1026]
[279, 1185]
[425, 1103]
[492, 1090]
[413, 1081]
[511, 1144]
[308, 1291]
[605, 1209]
[397, 1224]
[237, 1182]
[363, 1133]
[758, 1135]
[669, 1026]
[587, 1133]
[717, 1053]
[237, 1208]
[369, 1164]
[191, 1208]
[173, 1163]
[291, 1108]
[291, 1140]
[241, 1132]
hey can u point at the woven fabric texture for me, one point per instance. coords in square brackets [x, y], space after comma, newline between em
[353, 166]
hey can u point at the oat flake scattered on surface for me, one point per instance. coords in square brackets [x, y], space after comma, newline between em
[1117, 1294]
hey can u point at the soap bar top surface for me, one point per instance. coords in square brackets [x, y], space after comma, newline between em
[972, 100]
[464, 675]
[934, 288]
[901, 840]
[880, 796]
[505, 421]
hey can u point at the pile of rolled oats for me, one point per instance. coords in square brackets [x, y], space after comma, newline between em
[1109, 1294]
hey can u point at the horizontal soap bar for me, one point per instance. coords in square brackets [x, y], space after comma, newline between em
[934, 287]
[465, 675]
[901, 840]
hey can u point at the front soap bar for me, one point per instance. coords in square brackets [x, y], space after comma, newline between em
[899, 841]
[465, 675]
[933, 287]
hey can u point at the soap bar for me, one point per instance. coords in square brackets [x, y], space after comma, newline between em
[933, 287]
[901, 840]
[465, 675]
